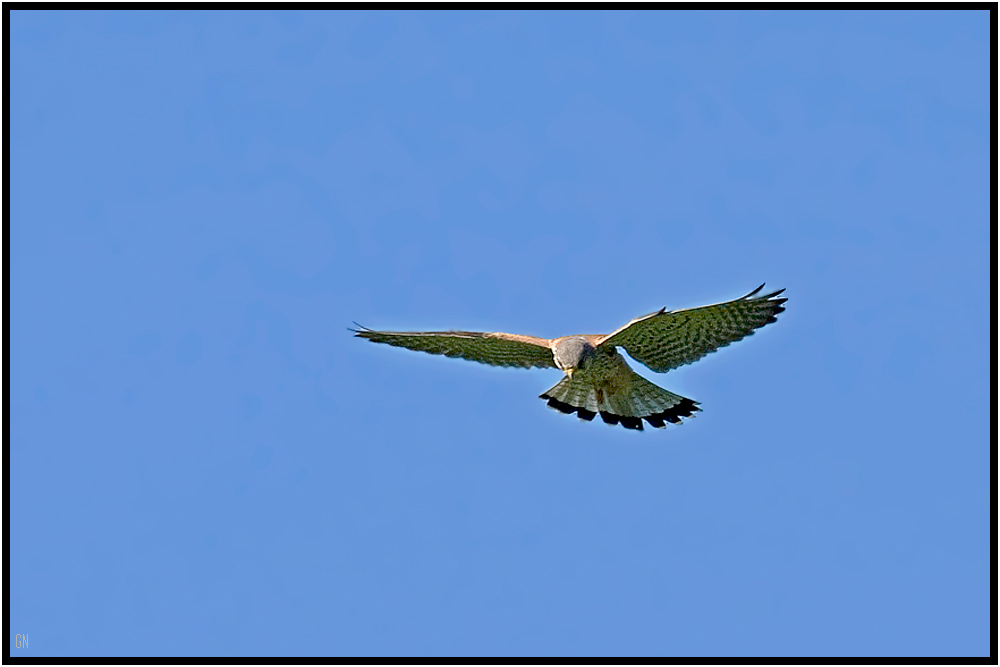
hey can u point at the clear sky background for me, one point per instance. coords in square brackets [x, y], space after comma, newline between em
[204, 461]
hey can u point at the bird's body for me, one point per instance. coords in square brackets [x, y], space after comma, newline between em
[604, 384]
[598, 379]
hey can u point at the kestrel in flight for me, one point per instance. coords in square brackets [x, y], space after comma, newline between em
[598, 380]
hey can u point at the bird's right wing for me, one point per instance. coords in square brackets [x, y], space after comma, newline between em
[667, 339]
[497, 349]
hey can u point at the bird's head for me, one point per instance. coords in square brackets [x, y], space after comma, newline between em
[571, 353]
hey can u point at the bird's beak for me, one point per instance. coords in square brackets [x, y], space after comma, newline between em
[569, 371]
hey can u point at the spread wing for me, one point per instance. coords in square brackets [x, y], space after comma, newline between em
[498, 349]
[667, 339]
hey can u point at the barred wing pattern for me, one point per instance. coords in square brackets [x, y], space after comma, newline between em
[497, 349]
[667, 339]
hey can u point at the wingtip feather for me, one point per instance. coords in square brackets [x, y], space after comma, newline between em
[765, 297]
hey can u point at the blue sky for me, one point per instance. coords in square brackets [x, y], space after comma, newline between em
[204, 461]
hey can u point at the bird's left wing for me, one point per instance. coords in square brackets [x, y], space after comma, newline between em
[667, 339]
[498, 349]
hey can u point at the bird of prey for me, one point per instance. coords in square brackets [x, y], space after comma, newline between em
[598, 380]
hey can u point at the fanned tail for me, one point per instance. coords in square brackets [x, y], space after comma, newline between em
[627, 402]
